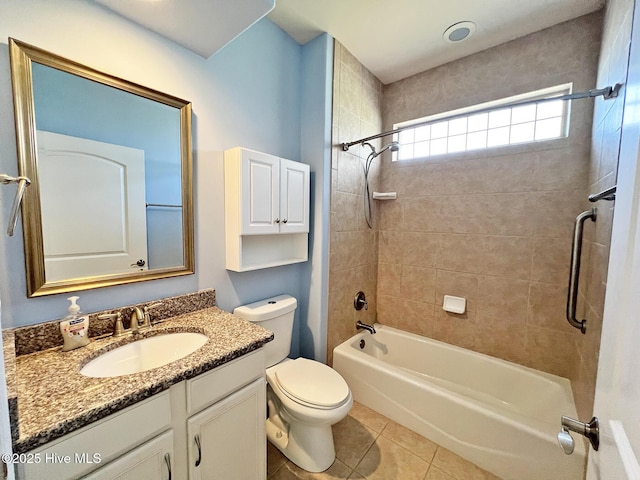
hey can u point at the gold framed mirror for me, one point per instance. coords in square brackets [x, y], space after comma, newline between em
[110, 164]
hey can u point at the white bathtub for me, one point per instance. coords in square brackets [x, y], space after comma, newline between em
[501, 416]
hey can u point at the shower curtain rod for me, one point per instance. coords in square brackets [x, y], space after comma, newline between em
[606, 92]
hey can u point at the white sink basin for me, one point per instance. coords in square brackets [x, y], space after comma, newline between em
[145, 354]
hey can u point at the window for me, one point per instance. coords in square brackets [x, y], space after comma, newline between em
[474, 128]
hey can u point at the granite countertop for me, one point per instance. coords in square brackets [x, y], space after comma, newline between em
[53, 398]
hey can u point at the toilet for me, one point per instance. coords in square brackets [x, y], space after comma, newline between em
[304, 397]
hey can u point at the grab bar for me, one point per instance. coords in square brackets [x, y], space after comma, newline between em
[574, 275]
[23, 182]
[608, 194]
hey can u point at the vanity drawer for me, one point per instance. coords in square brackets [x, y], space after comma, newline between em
[210, 387]
[86, 449]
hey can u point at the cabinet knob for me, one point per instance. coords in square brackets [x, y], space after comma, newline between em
[284, 221]
[277, 220]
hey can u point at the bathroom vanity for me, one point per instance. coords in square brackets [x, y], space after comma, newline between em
[199, 417]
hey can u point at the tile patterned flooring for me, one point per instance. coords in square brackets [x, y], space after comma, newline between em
[370, 446]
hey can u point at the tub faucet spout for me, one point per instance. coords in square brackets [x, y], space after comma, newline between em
[364, 326]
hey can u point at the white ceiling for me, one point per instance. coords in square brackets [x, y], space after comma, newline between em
[394, 39]
[202, 26]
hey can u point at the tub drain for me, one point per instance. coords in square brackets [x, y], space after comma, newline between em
[362, 343]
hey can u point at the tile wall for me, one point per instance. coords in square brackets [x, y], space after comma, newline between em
[605, 143]
[353, 265]
[492, 226]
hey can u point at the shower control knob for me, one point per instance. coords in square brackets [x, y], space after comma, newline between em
[359, 301]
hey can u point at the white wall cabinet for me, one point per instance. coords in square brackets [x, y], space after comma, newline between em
[266, 210]
[154, 439]
[294, 197]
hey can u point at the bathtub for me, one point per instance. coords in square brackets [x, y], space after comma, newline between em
[501, 416]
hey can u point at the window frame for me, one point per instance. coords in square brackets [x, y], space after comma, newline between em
[492, 111]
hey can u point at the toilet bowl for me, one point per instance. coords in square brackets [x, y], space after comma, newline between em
[304, 402]
[304, 397]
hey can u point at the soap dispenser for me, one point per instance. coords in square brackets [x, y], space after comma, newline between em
[74, 328]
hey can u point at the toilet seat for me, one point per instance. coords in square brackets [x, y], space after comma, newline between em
[312, 384]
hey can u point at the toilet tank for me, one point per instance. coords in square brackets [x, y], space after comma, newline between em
[275, 314]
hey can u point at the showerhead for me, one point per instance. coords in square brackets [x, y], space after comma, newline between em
[373, 149]
[393, 146]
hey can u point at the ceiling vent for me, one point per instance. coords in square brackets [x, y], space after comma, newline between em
[459, 32]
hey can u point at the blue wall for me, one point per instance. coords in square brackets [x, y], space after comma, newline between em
[248, 94]
[317, 94]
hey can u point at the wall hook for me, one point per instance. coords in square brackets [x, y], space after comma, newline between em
[23, 183]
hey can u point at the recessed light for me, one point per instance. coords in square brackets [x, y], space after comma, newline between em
[459, 31]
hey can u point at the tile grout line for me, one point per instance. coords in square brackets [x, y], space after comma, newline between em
[367, 450]
[431, 462]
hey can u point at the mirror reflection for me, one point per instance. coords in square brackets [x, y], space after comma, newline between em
[111, 171]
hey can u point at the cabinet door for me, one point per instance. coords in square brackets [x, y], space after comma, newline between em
[294, 197]
[227, 441]
[109, 439]
[152, 459]
[260, 200]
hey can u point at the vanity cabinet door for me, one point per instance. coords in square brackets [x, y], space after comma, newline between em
[85, 450]
[227, 441]
[152, 460]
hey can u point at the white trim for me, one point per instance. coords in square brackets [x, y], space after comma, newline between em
[629, 459]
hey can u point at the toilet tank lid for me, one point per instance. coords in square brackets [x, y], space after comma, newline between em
[267, 308]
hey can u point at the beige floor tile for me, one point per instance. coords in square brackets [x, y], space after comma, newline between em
[356, 476]
[379, 449]
[459, 468]
[337, 471]
[368, 417]
[352, 439]
[275, 460]
[416, 444]
[435, 473]
[386, 460]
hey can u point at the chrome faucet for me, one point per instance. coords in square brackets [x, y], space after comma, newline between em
[364, 326]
